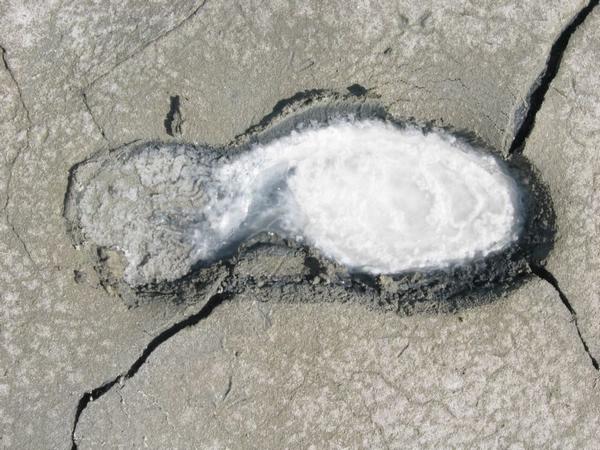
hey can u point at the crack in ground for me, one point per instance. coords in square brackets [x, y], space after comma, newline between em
[148, 44]
[17, 85]
[542, 84]
[28, 119]
[22, 242]
[16, 157]
[90, 396]
[546, 275]
[536, 100]
[89, 110]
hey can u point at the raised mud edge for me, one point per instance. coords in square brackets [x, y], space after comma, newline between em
[475, 282]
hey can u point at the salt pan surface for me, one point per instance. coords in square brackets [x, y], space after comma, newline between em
[371, 195]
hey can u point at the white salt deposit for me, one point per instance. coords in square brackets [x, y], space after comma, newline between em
[368, 194]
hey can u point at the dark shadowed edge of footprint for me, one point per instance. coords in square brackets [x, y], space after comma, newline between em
[319, 279]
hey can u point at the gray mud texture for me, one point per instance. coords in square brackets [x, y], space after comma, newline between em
[274, 346]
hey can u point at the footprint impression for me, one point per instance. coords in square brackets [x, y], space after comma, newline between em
[335, 194]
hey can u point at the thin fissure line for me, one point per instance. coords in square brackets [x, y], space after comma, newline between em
[17, 85]
[96, 393]
[148, 44]
[14, 160]
[93, 117]
[542, 84]
[546, 275]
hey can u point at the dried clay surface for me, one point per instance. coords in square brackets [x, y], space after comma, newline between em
[291, 359]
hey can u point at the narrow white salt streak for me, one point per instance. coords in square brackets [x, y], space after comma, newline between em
[371, 195]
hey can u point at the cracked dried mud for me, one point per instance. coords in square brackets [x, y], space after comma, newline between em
[266, 350]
